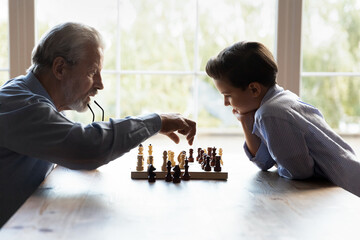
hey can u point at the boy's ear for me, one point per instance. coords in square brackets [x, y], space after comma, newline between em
[255, 89]
[58, 67]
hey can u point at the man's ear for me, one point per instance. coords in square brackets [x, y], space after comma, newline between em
[255, 89]
[58, 67]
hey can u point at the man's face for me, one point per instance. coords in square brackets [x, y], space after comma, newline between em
[242, 101]
[83, 80]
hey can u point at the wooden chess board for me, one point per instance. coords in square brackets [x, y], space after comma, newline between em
[195, 172]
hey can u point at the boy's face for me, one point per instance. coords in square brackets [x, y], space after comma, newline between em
[242, 101]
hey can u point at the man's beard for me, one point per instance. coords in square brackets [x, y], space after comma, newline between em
[79, 105]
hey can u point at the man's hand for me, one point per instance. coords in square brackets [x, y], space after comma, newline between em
[172, 122]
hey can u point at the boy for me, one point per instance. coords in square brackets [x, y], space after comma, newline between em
[279, 128]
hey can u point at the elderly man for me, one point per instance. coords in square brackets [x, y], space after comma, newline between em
[35, 135]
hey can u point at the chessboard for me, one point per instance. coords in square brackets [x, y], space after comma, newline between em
[194, 166]
[195, 172]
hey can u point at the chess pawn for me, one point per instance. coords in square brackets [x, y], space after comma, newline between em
[191, 152]
[151, 173]
[168, 177]
[217, 167]
[163, 167]
[186, 176]
[207, 166]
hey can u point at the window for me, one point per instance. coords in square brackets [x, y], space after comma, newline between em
[330, 77]
[157, 50]
[4, 43]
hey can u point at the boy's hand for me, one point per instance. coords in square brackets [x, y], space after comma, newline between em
[246, 119]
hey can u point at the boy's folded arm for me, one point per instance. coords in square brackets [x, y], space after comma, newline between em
[287, 146]
[262, 158]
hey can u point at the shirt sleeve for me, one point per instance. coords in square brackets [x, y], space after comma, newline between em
[287, 146]
[262, 158]
[39, 131]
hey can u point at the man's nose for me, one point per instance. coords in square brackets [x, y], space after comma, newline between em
[98, 84]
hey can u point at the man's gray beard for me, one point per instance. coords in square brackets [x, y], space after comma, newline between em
[79, 105]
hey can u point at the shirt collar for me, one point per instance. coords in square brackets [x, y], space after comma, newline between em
[272, 91]
[36, 87]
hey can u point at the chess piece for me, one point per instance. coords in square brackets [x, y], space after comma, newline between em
[186, 176]
[217, 167]
[191, 152]
[141, 149]
[176, 175]
[198, 154]
[140, 159]
[182, 159]
[213, 156]
[151, 173]
[220, 154]
[201, 158]
[171, 155]
[209, 151]
[203, 161]
[163, 167]
[168, 177]
[207, 166]
[150, 157]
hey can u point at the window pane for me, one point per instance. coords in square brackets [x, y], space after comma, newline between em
[102, 16]
[158, 35]
[330, 43]
[223, 23]
[331, 36]
[4, 43]
[142, 94]
[212, 112]
[337, 98]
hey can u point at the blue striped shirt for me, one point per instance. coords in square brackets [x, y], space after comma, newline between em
[295, 136]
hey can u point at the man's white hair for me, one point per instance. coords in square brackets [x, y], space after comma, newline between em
[67, 40]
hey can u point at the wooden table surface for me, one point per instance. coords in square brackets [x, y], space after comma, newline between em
[108, 204]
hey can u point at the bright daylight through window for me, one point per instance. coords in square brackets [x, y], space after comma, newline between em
[157, 50]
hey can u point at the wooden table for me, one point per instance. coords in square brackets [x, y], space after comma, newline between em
[108, 204]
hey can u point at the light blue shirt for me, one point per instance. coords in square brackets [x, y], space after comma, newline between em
[295, 136]
[34, 136]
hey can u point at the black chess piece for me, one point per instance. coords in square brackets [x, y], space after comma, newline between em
[198, 154]
[168, 177]
[151, 173]
[191, 152]
[176, 175]
[207, 166]
[213, 156]
[186, 176]
[217, 167]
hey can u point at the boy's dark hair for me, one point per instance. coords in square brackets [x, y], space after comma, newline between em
[242, 64]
